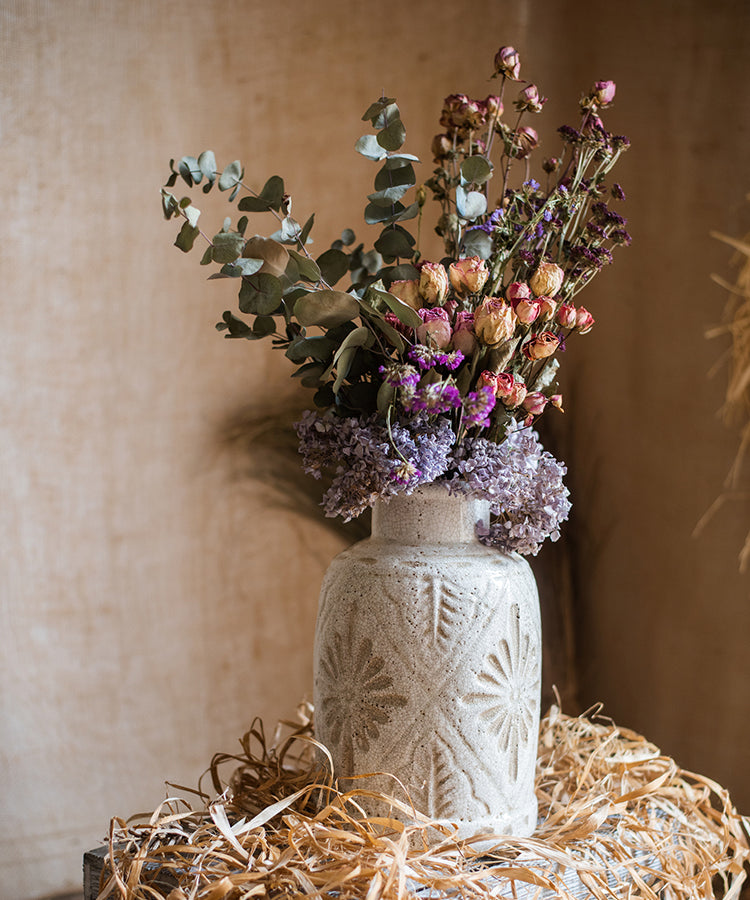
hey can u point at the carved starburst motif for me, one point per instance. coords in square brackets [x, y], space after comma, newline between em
[509, 687]
[357, 697]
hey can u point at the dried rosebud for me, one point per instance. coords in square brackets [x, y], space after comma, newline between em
[547, 279]
[556, 400]
[584, 320]
[517, 290]
[494, 321]
[472, 114]
[541, 345]
[508, 63]
[494, 106]
[407, 292]
[464, 338]
[566, 315]
[529, 100]
[442, 147]
[393, 320]
[516, 396]
[525, 141]
[534, 403]
[468, 275]
[433, 283]
[487, 379]
[551, 165]
[527, 310]
[547, 308]
[603, 93]
[449, 116]
[435, 330]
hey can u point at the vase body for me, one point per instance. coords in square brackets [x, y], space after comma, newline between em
[428, 666]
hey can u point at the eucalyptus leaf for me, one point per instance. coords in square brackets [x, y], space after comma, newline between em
[170, 206]
[394, 242]
[404, 272]
[207, 165]
[375, 215]
[208, 256]
[390, 333]
[470, 204]
[397, 160]
[326, 308]
[253, 204]
[389, 113]
[388, 196]
[308, 268]
[368, 146]
[231, 176]
[375, 109]
[190, 170]
[227, 246]
[186, 238]
[402, 176]
[333, 265]
[264, 326]
[477, 243]
[404, 313]
[242, 266]
[324, 397]
[317, 347]
[410, 212]
[242, 225]
[392, 136]
[260, 294]
[306, 229]
[386, 396]
[475, 170]
[273, 192]
[347, 237]
[236, 327]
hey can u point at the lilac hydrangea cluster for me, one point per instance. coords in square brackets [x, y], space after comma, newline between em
[522, 481]
[368, 462]
[523, 484]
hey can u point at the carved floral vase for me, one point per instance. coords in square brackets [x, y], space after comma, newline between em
[428, 666]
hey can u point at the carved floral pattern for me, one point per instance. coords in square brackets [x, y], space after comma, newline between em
[510, 682]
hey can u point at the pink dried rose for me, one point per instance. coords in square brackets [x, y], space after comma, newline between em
[517, 290]
[494, 321]
[464, 338]
[504, 386]
[407, 292]
[584, 320]
[557, 401]
[541, 346]
[529, 100]
[435, 330]
[517, 395]
[487, 379]
[442, 147]
[527, 310]
[547, 279]
[526, 141]
[494, 106]
[433, 283]
[566, 315]
[534, 403]
[547, 308]
[603, 93]
[468, 275]
[508, 63]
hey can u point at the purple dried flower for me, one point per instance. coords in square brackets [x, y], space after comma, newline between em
[620, 236]
[478, 406]
[400, 375]
[617, 192]
[440, 397]
[429, 357]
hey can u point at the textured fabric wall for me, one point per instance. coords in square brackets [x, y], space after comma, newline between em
[152, 599]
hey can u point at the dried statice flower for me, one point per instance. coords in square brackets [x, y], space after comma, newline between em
[478, 405]
[440, 397]
[428, 357]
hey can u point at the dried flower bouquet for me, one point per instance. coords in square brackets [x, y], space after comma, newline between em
[432, 371]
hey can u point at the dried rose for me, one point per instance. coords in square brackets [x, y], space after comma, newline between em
[464, 338]
[487, 379]
[407, 292]
[541, 346]
[494, 321]
[469, 275]
[508, 63]
[517, 290]
[433, 283]
[584, 320]
[442, 147]
[529, 100]
[435, 330]
[534, 403]
[494, 106]
[556, 400]
[516, 396]
[603, 93]
[528, 310]
[566, 315]
[548, 308]
[526, 140]
[547, 279]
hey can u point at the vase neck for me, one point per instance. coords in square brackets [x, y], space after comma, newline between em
[430, 515]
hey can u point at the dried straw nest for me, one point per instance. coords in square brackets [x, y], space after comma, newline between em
[617, 819]
[736, 408]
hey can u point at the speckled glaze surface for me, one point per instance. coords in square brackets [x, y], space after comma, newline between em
[428, 665]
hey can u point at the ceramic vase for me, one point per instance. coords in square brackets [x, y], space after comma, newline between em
[428, 666]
